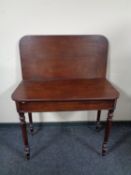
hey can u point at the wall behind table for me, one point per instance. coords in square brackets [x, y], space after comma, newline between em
[110, 18]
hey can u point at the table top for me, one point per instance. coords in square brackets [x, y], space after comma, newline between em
[65, 90]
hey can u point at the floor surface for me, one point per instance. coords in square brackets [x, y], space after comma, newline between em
[66, 149]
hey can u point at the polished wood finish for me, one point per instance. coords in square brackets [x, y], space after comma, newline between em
[64, 106]
[65, 90]
[64, 73]
[63, 57]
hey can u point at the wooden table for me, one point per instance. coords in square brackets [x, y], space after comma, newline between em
[64, 73]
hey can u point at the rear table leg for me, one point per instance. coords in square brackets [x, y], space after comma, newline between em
[31, 123]
[98, 119]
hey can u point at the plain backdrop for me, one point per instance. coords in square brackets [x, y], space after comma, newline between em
[107, 17]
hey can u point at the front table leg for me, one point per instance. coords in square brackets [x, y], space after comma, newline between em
[24, 134]
[107, 131]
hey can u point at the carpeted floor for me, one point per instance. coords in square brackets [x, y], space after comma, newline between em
[66, 149]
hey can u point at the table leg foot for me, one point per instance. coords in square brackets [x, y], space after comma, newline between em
[27, 152]
[104, 149]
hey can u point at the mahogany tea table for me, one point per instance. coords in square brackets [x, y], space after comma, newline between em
[64, 73]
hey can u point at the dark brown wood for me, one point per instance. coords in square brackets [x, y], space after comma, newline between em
[98, 119]
[107, 131]
[63, 57]
[24, 134]
[31, 122]
[64, 106]
[65, 90]
[64, 73]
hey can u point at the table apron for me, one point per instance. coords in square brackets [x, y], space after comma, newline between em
[39, 106]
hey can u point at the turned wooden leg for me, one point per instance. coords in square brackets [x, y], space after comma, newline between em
[107, 131]
[24, 134]
[98, 119]
[31, 123]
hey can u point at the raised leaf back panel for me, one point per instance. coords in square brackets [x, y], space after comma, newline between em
[63, 57]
